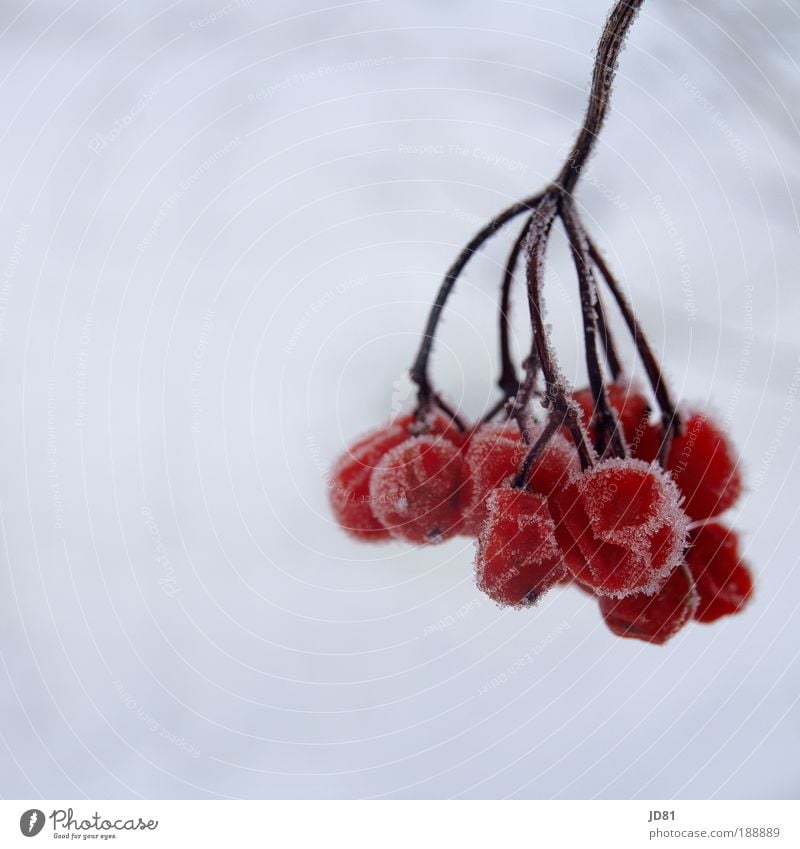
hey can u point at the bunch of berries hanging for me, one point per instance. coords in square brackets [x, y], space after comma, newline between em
[585, 487]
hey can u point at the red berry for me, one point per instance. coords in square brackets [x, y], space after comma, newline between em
[646, 442]
[420, 488]
[623, 526]
[349, 492]
[494, 456]
[652, 618]
[631, 406]
[518, 557]
[704, 465]
[723, 581]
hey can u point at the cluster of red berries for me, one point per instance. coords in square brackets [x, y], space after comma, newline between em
[588, 488]
[638, 536]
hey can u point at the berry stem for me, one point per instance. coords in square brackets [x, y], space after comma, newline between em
[609, 347]
[419, 371]
[609, 439]
[670, 420]
[521, 480]
[611, 42]
[508, 380]
[558, 396]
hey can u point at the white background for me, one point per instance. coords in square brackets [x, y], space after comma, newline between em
[217, 252]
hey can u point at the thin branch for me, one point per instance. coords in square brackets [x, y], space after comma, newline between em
[607, 339]
[419, 369]
[557, 393]
[608, 432]
[605, 66]
[508, 380]
[670, 419]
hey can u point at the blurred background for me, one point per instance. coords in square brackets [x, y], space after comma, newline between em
[222, 226]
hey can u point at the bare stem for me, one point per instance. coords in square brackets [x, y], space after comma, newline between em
[521, 480]
[605, 67]
[557, 393]
[604, 331]
[419, 369]
[609, 438]
[670, 419]
[508, 380]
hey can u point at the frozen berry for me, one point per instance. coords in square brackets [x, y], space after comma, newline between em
[349, 490]
[704, 465]
[494, 456]
[629, 403]
[625, 525]
[518, 557]
[723, 581]
[420, 488]
[646, 442]
[652, 618]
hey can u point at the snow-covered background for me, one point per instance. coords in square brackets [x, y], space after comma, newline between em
[221, 226]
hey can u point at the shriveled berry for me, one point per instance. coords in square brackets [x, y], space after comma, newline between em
[722, 580]
[420, 488]
[705, 466]
[495, 454]
[349, 490]
[518, 557]
[625, 525]
[629, 403]
[652, 618]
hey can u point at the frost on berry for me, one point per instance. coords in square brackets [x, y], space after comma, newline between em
[350, 475]
[420, 488]
[431, 421]
[722, 580]
[494, 457]
[705, 466]
[652, 618]
[624, 526]
[629, 403]
[517, 557]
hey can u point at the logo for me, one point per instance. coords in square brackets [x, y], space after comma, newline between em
[31, 822]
